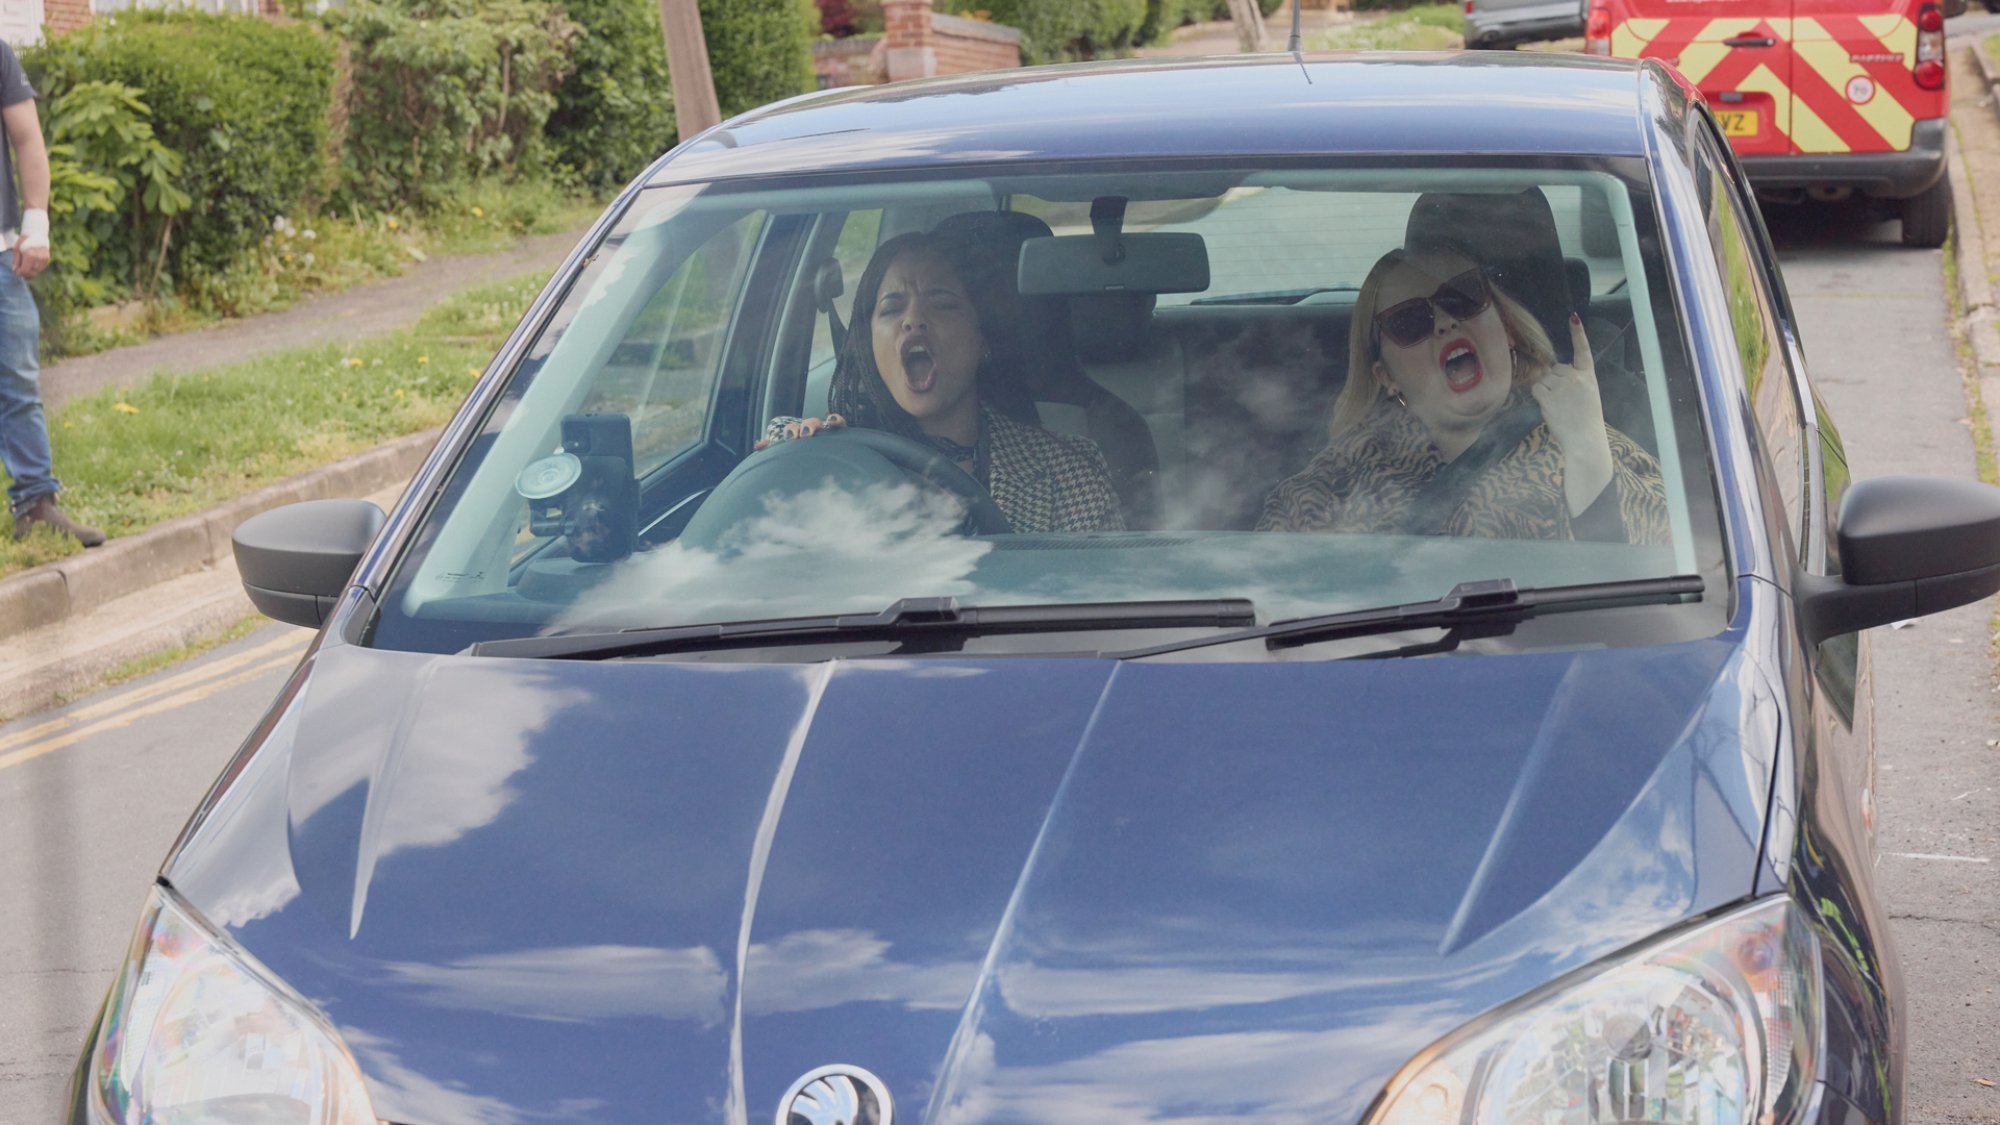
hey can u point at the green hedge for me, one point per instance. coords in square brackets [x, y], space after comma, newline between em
[445, 91]
[242, 102]
[759, 50]
[1061, 30]
[615, 112]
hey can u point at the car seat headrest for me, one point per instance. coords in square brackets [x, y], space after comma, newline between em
[1113, 326]
[1032, 338]
[1512, 234]
[828, 282]
[1578, 272]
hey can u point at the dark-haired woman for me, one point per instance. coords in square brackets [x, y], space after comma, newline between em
[915, 362]
[1457, 420]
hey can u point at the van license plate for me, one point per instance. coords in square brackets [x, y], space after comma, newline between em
[1737, 122]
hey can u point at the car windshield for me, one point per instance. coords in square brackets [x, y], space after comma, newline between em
[1315, 387]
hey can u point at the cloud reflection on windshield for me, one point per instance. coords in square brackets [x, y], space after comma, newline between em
[836, 550]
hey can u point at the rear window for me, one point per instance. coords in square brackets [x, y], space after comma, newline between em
[1092, 383]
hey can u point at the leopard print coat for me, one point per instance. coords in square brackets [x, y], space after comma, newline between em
[1373, 477]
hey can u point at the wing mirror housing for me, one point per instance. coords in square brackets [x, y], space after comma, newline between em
[1909, 546]
[295, 561]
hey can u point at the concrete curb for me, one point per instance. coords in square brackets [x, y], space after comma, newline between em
[1975, 289]
[1975, 284]
[54, 592]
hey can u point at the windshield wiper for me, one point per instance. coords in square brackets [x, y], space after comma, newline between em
[1491, 601]
[907, 617]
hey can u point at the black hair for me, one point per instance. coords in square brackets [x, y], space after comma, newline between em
[858, 392]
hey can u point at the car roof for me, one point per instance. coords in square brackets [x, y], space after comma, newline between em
[1392, 103]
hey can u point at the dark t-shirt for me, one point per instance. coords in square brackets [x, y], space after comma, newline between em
[14, 89]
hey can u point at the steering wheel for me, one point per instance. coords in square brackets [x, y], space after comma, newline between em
[850, 458]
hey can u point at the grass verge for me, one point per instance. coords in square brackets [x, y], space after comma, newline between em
[1426, 27]
[132, 458]
[154, 662]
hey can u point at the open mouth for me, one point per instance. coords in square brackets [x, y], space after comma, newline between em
[919, 366]
[1462, 371]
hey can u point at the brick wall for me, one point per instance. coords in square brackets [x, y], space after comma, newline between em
[855, 61]
[917, 43]
[65, 15]
[964, 45]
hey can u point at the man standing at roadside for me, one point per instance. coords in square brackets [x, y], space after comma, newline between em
[24, 233]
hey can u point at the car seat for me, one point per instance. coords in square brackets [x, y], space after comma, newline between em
[1034, 337]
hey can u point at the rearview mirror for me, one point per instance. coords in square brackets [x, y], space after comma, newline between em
[1909, 546]
[295, 561]
[1143, 263]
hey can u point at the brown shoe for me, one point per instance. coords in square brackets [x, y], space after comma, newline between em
[44, 510]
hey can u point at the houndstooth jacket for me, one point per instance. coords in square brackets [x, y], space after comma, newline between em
[1048, 482]
[1042, 481]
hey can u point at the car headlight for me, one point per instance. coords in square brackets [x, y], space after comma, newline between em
[195, 1030]
[1719, 1024]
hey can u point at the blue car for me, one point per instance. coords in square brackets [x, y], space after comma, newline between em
[1278, 590]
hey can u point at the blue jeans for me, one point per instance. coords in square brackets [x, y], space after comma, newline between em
[24, 434]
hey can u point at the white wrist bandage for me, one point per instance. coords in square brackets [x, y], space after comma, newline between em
[34, 227]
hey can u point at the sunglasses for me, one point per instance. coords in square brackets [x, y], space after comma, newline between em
[1460, 298]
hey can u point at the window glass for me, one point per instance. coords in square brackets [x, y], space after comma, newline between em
[1839, 659]
[859, 232]
[660, 373]
[1085, 383]
[1753, 314]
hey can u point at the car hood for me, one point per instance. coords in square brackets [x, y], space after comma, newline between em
[1017, 890]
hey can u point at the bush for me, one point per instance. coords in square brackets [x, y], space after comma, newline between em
[841, 18]
[242, 102]
[444, 91]
[615, 111]
[1060, 30]
[759, 50]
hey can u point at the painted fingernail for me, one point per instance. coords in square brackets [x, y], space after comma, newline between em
[1575, 319]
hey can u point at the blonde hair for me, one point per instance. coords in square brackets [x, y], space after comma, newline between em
[1533, 354]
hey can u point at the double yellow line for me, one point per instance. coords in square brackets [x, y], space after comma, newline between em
[159, 697]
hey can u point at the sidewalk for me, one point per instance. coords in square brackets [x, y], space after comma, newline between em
[1218, 37]
[1975, 188]
[371, 309]
[63, 626]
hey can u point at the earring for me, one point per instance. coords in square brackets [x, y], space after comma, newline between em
[1397, 394]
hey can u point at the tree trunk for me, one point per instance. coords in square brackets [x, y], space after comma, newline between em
[1249, 21]
[688, 75]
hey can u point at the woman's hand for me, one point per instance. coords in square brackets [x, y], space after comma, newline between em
[805, 428]
[1574, 414]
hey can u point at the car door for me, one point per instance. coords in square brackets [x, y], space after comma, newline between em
[1737, 52]
[1809, 474]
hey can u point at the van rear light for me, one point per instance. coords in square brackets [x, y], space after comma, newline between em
[1597, 29]
[1468, 7]
[1929, 71]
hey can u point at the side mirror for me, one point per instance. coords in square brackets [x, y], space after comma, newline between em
[295, 561]
[1909, 546]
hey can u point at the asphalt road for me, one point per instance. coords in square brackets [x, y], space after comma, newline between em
[92, 795]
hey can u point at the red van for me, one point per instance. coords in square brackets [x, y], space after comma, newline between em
[1820, 98]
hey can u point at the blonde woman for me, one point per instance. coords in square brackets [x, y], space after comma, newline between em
[1457, 420]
